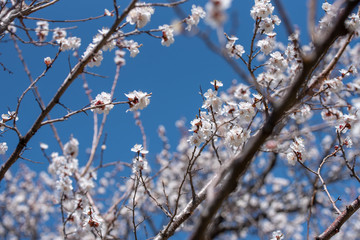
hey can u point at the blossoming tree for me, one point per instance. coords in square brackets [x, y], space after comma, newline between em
[272, 155]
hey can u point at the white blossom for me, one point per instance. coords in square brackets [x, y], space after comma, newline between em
[236, 136]
[70, 43]
[261, 9]
[59, 34]
[119, 58]
[109, 45]
[167, 35]
[42, 30]
[138, 148]
[71, 148]
[197, 12]
[133, 47]
[96, 58]
[104, 101]
[277, 235]
[212, 100]
[140, 15]
[139, 164]
[138, 100]
[3, 147]
[215, 12]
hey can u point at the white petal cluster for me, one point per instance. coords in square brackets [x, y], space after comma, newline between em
[212, 100]
[138, 148]
[297, 151]
[235, 51]
[139, 164]
[353, 23]
[70, 43]
[109, 45]
[138, 100]
[167, 35]
[202, 129]
[330, 15]
[3, 147]
[5, 117]
[277, 235]
[42, 30]
[246, 111]
[215, 12]
[140, 15]
[267, 45]
[96, 58]
[303, 114]
[236, 136]
[59, 34]
[92, 219]
[63, 168]
[277, 60]
[331, 114]
[334, 84]
[119, 57]
[86, 183]
[197, 12]
[9, 116]
[71, 148]
[132, 46]
[104, 101]
[261, 9]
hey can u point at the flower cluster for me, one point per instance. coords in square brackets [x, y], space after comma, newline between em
[277, 235]
[267, 45]
[139, 161]
[237, 136]
[215, 12]
[303, 114]
[233, 50]
[297, 151]
[140, 15]
[92, 220]
[81, 214]
[132, 46]
[119, 57]
[109, 45]
[5, 117]
[353, 23]
[59, 34]
[3, 147]
[203, 128]
[42, 30]
[104, 103]
[330, 14]
[167, 35]
[197, 12]
[212, 100]
[138, 100]
[70, 43]
[63, 168]
[71, 148]
[278, 61]
[96, 58]
[262, 10]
